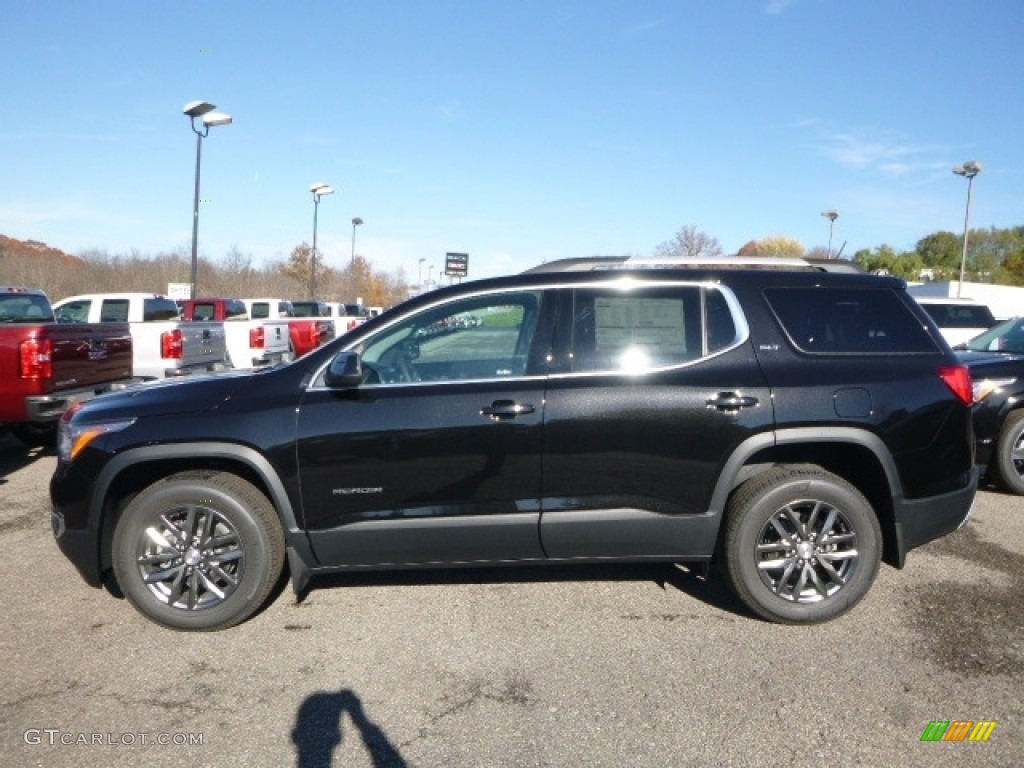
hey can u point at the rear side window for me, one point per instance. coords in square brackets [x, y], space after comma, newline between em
[960, 315]
[260, 310]
[648, 328]
[849, 321]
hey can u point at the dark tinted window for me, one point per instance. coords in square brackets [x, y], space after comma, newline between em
[850, 321]
[157, 309]
[235, 310]
[960, 315]
[260, 310]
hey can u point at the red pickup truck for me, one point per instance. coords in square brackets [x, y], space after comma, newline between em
[46, 367]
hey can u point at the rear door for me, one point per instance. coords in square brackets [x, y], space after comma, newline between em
[653, 387]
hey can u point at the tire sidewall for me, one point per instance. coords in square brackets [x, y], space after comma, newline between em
[743, 562]
[1010, 435]
[145, 509]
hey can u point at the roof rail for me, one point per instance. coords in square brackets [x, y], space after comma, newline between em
[595, 263]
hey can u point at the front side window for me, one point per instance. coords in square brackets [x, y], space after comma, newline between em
[76, 311]
[478, 338]
[157, 309]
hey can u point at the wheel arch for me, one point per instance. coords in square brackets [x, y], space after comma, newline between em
[128, 473]
[858, 456]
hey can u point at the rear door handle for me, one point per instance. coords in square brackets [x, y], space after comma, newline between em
[731, 401]
[501, 410]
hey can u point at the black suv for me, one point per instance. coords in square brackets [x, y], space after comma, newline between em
[794, 427]
[996, 361]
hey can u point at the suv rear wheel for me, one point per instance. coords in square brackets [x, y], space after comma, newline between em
[800, 545]
[198, 550]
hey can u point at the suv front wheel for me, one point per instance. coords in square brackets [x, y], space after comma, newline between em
[198, 550]
[800, 545]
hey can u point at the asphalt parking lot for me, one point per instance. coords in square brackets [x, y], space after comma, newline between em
[637, 666]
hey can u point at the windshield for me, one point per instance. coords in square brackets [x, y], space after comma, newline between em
[1008, 336]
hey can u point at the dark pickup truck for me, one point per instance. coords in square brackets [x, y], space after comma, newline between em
[45, 367]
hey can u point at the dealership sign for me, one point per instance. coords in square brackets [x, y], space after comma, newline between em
[456, 264]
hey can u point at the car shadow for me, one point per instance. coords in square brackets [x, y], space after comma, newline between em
[695, 580]
[15, 456]
[319, 730]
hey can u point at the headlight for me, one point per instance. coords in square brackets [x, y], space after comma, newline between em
[72, 438]
[985, 387]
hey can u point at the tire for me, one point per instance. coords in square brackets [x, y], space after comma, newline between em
[33, 434]
[1008, 462]
[198, 551]
[772, 549]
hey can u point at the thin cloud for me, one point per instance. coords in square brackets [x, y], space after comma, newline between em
[776, 7]
[887, 155]
[644, 27]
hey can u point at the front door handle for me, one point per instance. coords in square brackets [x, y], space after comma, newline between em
[731, 401]
[501, 410]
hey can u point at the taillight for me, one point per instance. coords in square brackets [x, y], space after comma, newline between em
[314, 336]
[172, 344]
[958, 379]
[36, 359]
[257, 338]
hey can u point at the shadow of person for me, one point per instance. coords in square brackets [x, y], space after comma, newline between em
[318, 731]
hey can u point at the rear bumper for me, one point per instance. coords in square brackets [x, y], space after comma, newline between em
[50, 407]
[924, 520]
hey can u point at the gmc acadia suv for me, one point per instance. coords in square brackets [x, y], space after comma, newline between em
[792, 426]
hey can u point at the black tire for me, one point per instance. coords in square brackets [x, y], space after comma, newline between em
[42, 434]
[1008, 462]
[198, 551]
[772, 549]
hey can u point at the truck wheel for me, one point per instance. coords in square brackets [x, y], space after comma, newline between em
[36, 434]
[1009, 458]
[800, 545]
[198, 551]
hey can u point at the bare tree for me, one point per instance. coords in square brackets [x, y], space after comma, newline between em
[691, 243]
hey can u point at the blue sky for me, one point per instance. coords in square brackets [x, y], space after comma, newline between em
[517, 131]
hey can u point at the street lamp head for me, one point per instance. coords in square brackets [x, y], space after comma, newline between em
[968, 170]
[320, 189]
[831, 214]
[198, 108]
[214, 119]
[356, 221]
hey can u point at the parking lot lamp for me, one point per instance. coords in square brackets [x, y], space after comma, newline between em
[831, 214]
[210, 119]
[968, 170]
[319, 190]
[355, 223]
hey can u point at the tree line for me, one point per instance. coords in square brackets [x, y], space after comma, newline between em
[35, 265]
[994, 255]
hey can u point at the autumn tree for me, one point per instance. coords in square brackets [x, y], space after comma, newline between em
[689, 243]
[774, 245]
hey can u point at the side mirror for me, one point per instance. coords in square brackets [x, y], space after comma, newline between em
[345, 371]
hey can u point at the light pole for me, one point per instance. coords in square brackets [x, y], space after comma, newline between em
[419, 274]
[968, 170]
[355, 223]
[319, 190]
[210, 119]
[831, 214]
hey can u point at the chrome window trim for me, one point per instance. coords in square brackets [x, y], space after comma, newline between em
[625, 283]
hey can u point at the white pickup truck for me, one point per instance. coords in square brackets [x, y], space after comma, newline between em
[251, 343]
[163, 345]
